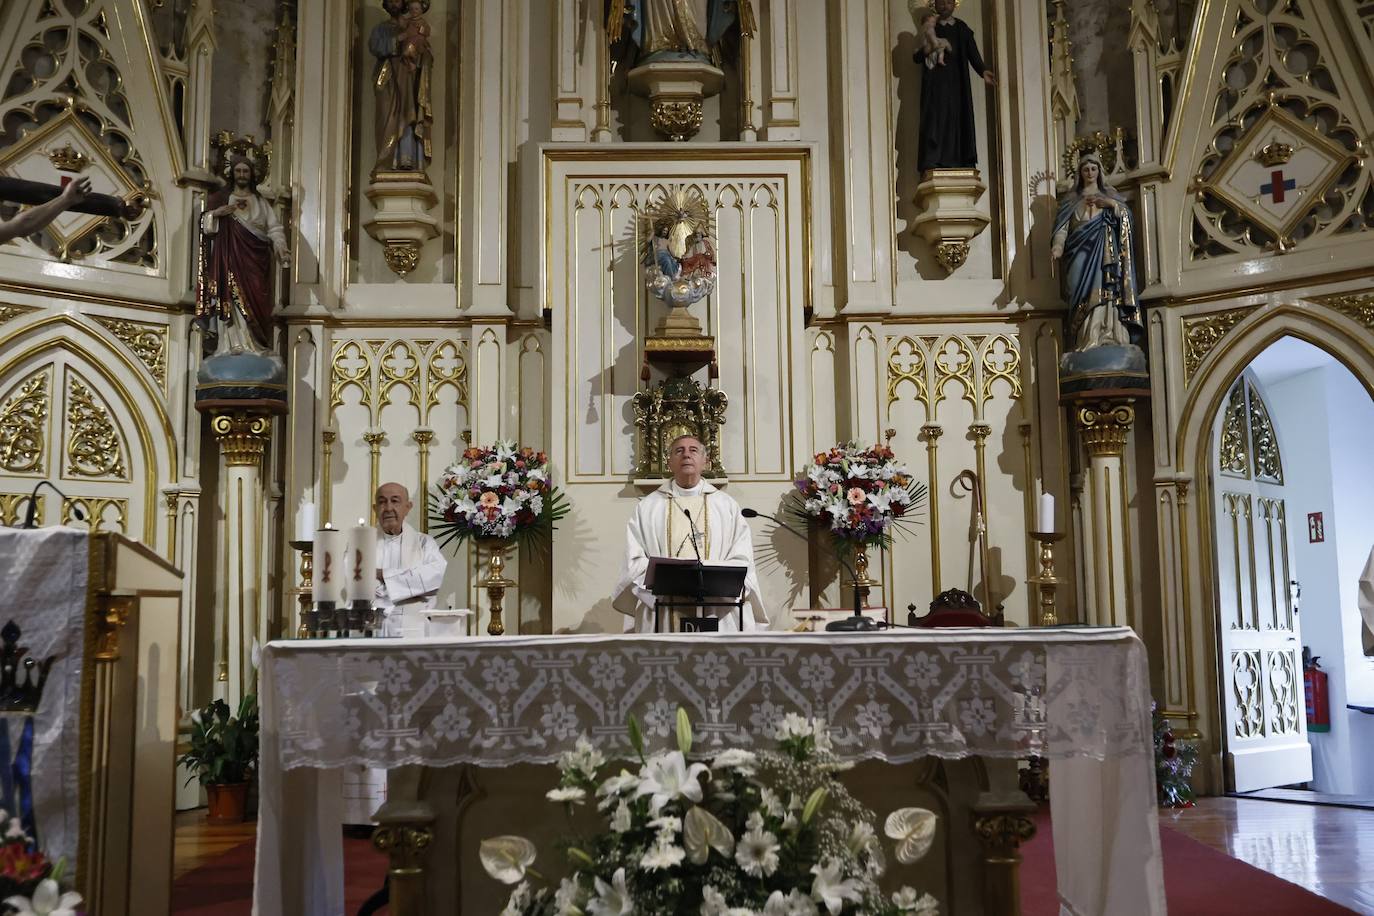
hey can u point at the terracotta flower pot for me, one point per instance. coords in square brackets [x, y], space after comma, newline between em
[227, 802]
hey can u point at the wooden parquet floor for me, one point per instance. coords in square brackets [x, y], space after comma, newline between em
[1329, 851]
[198, 842]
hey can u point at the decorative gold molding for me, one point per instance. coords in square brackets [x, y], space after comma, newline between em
[1358, 307]
[95, 447]
[1203, 333]
[10, 504]
[402, 257]
[1233, 449]
[93, 507]
[951, 255]
[9, 312]
[676, 119]
[242, 436]
[1105, 426]
[1264, 445]
[112, 613]
[147, 341]
[23, 424]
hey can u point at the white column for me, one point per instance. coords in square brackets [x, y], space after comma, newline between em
[242, 436]
[495, 27]
[1105, 426]
[320, 168]
[569, 102]
[782, 114]
[864, 150]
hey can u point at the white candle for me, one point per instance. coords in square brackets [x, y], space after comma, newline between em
[306, 521]
[328, 565]
[360, 569]
[1044, 517]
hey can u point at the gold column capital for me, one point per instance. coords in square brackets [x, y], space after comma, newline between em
[980, 430]
[1105, 426]
[423, 436]
[242, 435]
[1003, 831]
[932, 431]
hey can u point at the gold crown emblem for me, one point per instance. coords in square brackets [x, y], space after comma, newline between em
[1275, 153]
[69, 159]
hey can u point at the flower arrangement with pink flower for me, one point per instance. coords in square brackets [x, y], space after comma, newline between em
[498, 491]
[859, 493]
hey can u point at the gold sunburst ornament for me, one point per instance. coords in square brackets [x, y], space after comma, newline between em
[679, 247]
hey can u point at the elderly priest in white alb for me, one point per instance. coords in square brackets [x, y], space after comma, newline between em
[410, 564]
[663, 526]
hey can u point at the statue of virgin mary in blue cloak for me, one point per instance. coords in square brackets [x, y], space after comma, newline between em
[1093, 237]
[650, 31]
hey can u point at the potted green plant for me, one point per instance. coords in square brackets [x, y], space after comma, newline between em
[223, 755]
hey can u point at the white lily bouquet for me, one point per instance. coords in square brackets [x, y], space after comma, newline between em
[749, 834]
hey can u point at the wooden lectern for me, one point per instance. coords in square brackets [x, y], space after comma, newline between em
[129, 716]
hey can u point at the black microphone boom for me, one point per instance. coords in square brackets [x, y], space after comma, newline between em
[31, 513]
[854, 623]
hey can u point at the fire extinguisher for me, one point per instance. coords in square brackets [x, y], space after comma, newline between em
[1314, 691]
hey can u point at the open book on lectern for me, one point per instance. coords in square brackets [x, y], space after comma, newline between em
[669, 576]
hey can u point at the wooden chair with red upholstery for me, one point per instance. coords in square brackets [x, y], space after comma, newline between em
[953, 607]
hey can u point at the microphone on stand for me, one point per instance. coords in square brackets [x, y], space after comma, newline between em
[31, 513]
[855, 623]
[701, 573]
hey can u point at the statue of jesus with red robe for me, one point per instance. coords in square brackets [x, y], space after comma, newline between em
[239, 233]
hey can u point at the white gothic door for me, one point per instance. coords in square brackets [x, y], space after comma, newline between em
[1261, 670]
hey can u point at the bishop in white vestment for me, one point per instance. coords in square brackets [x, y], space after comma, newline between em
[410, 566]
[665, 524]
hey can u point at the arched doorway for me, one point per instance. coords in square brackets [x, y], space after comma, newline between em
[1292, 507]
[1194, 610]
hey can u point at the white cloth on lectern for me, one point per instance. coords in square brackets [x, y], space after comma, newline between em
[412, 567]
[727, 538]
[43, 590]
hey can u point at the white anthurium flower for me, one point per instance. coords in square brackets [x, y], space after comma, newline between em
[612, 899]
[914, 831]
[621, 820]
[793, 904]
[667, 777]
[830, 889]
[702, 831]
[506, 858]
[572, 794]
[911, 903]
[47, 900]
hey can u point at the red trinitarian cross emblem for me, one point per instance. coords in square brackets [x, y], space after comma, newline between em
[1277, 186]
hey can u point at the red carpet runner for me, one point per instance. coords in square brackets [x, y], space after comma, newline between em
[1197, 880]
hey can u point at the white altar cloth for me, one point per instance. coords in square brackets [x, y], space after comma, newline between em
[1079, 697]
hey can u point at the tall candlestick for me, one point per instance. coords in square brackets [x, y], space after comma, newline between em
[306, 520]
[1044, 517]
[361, 567]
[328, 558]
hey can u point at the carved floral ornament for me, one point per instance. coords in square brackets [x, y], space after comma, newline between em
[1248, 447]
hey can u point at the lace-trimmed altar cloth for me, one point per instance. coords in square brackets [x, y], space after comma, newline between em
[897, 697]
[1079, 696]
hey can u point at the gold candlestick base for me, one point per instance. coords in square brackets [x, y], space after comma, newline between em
[304, 591]
[1047, 582]
[496, 584]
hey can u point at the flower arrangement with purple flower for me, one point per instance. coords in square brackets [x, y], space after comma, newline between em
[499, 491]
[859, 494]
